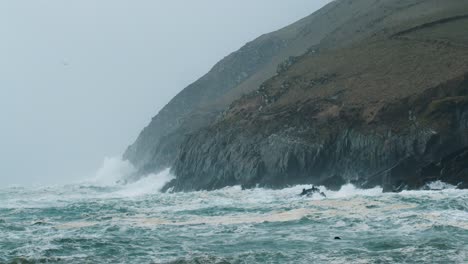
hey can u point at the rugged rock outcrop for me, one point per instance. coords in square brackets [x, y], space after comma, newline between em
[376, 112]
[413, 173]
[241, 72]
[340, 23]
[298, 149]
[364, 91]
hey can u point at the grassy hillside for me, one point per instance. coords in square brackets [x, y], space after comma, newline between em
[385, 90]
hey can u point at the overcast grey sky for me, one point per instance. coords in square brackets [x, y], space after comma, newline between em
[79, 79]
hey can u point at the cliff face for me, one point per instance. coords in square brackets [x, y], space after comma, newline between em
[364, 91]
[381, 100]
[293, 147]
[340, 23]
[200, 103]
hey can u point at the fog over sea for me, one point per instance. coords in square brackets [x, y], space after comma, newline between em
[100, 221]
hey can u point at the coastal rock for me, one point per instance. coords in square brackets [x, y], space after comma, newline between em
[241, 72]
[381, 139]
[368, 92]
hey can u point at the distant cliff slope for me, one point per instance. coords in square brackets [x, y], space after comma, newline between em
[198, 105]
[240, 72]
[379, 98]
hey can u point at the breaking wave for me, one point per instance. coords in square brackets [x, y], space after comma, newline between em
[115, 172]
[112, 171]
[103, 221]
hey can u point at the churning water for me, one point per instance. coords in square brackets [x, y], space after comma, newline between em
[96, 223]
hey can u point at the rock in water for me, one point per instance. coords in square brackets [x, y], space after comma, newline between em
[311, 191]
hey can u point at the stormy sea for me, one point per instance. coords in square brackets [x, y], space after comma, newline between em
[105, 222]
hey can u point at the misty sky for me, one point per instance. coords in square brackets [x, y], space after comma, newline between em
[79, 79]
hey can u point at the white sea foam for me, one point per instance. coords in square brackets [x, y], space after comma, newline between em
[439, 185]
[105, 183]
[231, 217]
[266, 200]
[112, 171]
[286, 216]
[350, 190]
[152, 183]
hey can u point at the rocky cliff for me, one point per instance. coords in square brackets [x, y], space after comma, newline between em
[389, 108]
[198, 105]
[364, 91]
[240, 72]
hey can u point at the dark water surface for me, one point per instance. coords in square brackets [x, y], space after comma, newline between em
[136, 224]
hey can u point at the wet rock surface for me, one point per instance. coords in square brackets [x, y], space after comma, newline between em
[412, 173]
[398, 153]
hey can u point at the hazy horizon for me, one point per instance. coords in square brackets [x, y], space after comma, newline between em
[81, 79]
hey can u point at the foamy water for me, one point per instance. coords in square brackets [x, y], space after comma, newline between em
[103, 222]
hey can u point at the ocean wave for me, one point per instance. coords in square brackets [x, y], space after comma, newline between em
[138, 223]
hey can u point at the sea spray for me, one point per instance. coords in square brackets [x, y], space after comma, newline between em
[149, 184]
[115, 172]
[112, 171]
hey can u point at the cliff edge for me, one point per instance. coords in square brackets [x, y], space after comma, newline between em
[390, 109]
[364, 91]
